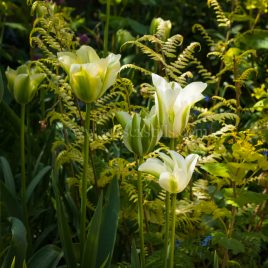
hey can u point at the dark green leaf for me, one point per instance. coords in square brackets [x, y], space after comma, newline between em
[109, 223]
[90, 253]
[135, 263]
[36, 180]
[257, 39]
[46, 257]
[8, 177]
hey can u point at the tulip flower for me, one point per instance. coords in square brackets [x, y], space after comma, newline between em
[141, 132]
[173, 104]
[89, 75]
[163, 25]
[23, 83]
[174, 172]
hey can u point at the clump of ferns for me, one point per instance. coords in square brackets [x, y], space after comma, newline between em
[170, 60]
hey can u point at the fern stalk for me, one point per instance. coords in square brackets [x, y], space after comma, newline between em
[172, 235]
[106, 29]
[84, 178]
[140, 213]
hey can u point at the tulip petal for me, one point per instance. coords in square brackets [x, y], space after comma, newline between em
[87, 54]
[153, 166]
[66, 59]
[167, 160]
[168, 182]
[191, 161]
[123, 118]
[182, 178]
[178, 159]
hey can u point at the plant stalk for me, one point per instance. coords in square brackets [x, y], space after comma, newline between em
[141, 214]
[84, 178]
[106, 29]
[167, 207]
[22, 154]
[172, 235]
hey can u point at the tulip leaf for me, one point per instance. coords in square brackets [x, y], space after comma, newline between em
[11, 203]
[135, 262]
[47, 257]
[89, 258]
[36, 180]
[1, 87]
[8, 177]
[17, 252]
[109, 224]
[217, 169]
[64, 229]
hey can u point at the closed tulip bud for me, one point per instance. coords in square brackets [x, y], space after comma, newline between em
[161, 26]
[173, 104]
[89, 75]
[121, 37]
[174, 172]
[23, 83]
[141, 132]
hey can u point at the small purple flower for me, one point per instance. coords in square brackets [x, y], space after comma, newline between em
[207, 98]
[195, 112]
[205, 241]
[177, 243]
[265, 153]
[83, 39]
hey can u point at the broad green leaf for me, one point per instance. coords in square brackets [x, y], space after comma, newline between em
[1, 87]
[135, 262]
[109, 224]
[217, 169]
[244, 197]
[8, 177]
[89, 258]
[16, 26]
[46, 257]
[18, 246]
[35, 181]
[64, 229]
[257, 39]
[12, 204]
[228, 243]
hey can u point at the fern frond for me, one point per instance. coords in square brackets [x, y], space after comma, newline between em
[135, 67]
[200, 29]
[222, 20]
[170, 46]
[222, 117]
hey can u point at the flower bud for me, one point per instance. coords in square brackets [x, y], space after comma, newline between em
[161, 27]
[141, 132]
[23, 83]
[89, 75]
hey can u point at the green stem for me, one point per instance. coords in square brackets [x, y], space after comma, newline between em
[84, 178]
[106, 29]
[172, 235]
[22, 154]
[173, 142]
[167, 206]
[141, 214]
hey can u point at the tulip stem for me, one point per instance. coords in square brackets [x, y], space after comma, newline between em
[106, 29]
[84, 178]
[140, 214]
[22, 154]
[172, 235]
[167, 206]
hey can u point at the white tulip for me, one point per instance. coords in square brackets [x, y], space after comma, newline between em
[173, 104]
[174, 171]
